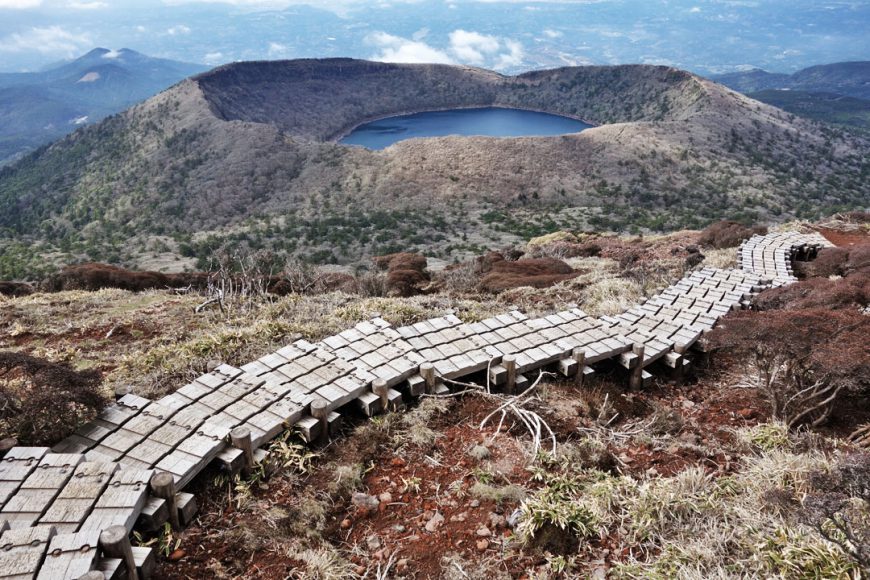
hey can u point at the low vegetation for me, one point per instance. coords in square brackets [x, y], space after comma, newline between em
[743, 469]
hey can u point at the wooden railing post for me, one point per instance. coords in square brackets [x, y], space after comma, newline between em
[163, 485]
[580, 356]
[320, 411]
[116, 543]
[509, 362]
[241, 439]
[635, 381]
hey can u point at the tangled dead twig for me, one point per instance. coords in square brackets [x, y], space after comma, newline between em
[513, 405]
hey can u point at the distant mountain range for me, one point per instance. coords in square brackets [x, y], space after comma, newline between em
[37, 108]
[835, 93]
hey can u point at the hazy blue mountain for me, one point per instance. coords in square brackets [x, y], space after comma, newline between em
[851, 79]
[38, 107]
[835, 93]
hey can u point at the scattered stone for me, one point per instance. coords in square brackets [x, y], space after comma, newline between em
[373, 542]
[474, 503]
[433, 524]
[479, 452]
[402, 566]
[497, 520]
[414, 538]
[212, 365]
[399, 528]
[365, 501]
[483, 532]
[386, 497]
[687, 404]
[346, 524]
[459, 517]
[514, 518]
[482, 545]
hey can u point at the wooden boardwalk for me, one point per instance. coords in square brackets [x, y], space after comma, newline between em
[55, 503]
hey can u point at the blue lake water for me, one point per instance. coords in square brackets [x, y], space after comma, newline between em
[488, 122]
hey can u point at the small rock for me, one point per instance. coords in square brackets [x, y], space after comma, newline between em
[435, 523]
[479, 452]
[497, 520]
[373, 542]
[482, 545]
[687, 404]
[459, 517]
[399, 528]
[514, 518]
[474, 503]
[177, 555]
[346, 523]
[212, 365]
[360, 570]
[483, 532]
[386, 497]
[414, 538]
[402, 566]
[365, 501]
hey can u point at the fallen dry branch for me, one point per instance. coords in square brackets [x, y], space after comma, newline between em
[513, 405]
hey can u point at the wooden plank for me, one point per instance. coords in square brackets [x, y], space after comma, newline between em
[23, 550]
[70, 555]
[15, 467]
[39, 489]
[77, 498]
[121, 501]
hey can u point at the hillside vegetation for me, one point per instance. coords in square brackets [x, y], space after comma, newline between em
[244, 154]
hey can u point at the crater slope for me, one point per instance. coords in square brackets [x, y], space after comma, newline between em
[247, 152]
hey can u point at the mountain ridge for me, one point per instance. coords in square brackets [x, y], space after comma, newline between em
[41, 106]
[229, 152]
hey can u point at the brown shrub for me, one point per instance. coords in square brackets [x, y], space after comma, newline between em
[728, 234]
[42, 402]
[94, 276]
[15, 289]
[537, 273]
[829, 262]
[406, 273]
[844, 294]
[859, 259]
[802, 359]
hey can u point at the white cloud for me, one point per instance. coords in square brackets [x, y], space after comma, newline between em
[277, 50]
[463, 46]
[19, 4]
[550, 33]
[87, 5]
[472, 47]
[512, 58]
[112, 54]
[695, 9]
[51, 40]
[178, 29]
[397, 49]
[214, 58]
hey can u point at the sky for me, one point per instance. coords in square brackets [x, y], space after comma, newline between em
[510, 36]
